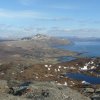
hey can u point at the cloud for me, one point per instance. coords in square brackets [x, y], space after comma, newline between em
[26, 2]
[9, 31]
[29, 14]
[84, 32]
[18, 14]
[55, 19]
[88, 21]
[13, 31]
[64, 6]
[96, 22]
[22, 14]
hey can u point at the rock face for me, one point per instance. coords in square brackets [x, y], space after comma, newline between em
[40, 37]
[57, 92]
[44, 91]
[37, 37]
[48, 39]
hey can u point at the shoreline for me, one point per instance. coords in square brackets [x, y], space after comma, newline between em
[51, 72]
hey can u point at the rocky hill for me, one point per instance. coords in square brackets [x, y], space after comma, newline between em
[48, 39]
[36, 49]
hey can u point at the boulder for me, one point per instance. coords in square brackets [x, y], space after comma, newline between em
[91, 90]
[3, 86]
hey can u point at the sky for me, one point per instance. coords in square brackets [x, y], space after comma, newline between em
[79, 18]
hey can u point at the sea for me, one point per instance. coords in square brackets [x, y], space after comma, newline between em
[86, 49]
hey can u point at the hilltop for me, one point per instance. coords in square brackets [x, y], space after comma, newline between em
[50, 40]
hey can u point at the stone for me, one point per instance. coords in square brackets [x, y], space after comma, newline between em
[89, 90]
[3, 85]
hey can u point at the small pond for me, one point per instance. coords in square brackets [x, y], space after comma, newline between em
[83, 77]
[66, 58]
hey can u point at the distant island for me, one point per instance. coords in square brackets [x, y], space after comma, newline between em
[36, 49]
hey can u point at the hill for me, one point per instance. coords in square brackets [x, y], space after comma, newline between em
[36, 49]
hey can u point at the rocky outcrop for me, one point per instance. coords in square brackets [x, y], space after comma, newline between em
[49, 91]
